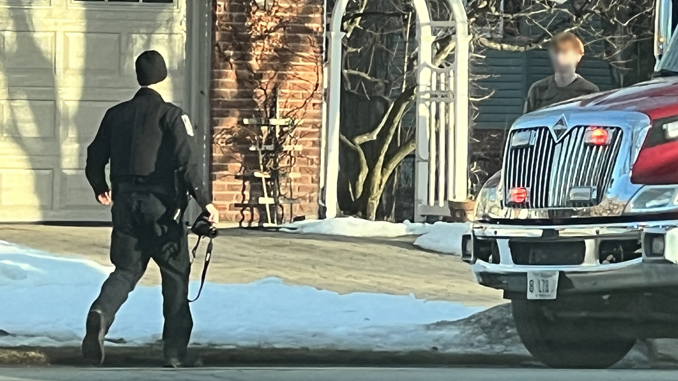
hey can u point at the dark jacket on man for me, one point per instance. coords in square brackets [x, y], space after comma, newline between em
[546, 92]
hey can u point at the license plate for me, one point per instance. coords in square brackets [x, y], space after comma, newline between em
[542, 285]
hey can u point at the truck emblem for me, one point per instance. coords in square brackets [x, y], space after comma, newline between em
[558, 129]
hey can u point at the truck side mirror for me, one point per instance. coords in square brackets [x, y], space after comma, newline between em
[663, 28]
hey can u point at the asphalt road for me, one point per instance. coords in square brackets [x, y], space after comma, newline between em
[329, 374]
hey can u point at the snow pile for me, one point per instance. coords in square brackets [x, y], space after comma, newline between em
[440, 237]
[44, 299]
[356, 227]
[443, 237]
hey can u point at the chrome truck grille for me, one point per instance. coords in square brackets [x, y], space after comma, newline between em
[549, 169]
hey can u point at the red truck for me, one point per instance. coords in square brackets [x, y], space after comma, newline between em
[580, 227]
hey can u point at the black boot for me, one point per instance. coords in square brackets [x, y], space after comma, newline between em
[176, 362]
[180, 360]
[93, 343]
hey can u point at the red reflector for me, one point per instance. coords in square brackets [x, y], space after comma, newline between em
[518, 195]
[597, 136]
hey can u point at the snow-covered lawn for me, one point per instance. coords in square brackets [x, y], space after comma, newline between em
[441, 237]
[44, 299]
[356, 227]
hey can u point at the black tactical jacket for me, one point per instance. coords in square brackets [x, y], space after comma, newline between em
[146, 139]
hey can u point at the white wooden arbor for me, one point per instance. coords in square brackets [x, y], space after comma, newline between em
[442, 116]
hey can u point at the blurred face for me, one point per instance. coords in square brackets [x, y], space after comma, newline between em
[564, 59]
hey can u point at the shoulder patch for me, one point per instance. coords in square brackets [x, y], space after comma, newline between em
[187, 124]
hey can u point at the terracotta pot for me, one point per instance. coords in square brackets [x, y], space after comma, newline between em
[462, 211]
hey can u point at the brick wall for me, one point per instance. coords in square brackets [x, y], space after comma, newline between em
[256, 52]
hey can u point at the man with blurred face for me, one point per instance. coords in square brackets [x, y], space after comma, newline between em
[566, 51]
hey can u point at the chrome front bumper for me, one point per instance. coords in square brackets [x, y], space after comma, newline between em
[590, 276]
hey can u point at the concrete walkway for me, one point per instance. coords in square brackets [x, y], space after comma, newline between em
[344, 265]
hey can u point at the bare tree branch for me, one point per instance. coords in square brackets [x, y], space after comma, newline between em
[394, 160]
[358, 185]
[353, 16]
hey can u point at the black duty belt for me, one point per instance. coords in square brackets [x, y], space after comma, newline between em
[132, 186]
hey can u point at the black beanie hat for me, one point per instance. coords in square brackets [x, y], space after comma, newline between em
[150, 68]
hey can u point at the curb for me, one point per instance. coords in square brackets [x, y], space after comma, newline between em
[152, 356]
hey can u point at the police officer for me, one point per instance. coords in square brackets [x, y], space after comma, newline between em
[150, 146]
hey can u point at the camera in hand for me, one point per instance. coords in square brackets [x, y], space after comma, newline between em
[202, 226]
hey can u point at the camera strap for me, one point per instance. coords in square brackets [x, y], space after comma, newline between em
[208, 258]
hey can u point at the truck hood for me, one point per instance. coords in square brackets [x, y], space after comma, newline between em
[657, 98]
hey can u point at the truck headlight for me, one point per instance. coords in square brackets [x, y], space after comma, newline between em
[653, 199]
[488, 202]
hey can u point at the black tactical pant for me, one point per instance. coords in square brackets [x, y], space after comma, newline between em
[144, 228]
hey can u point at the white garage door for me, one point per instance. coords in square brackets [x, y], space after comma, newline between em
[62, 64]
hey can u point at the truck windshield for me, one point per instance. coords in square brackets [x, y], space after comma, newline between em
[669, 62]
